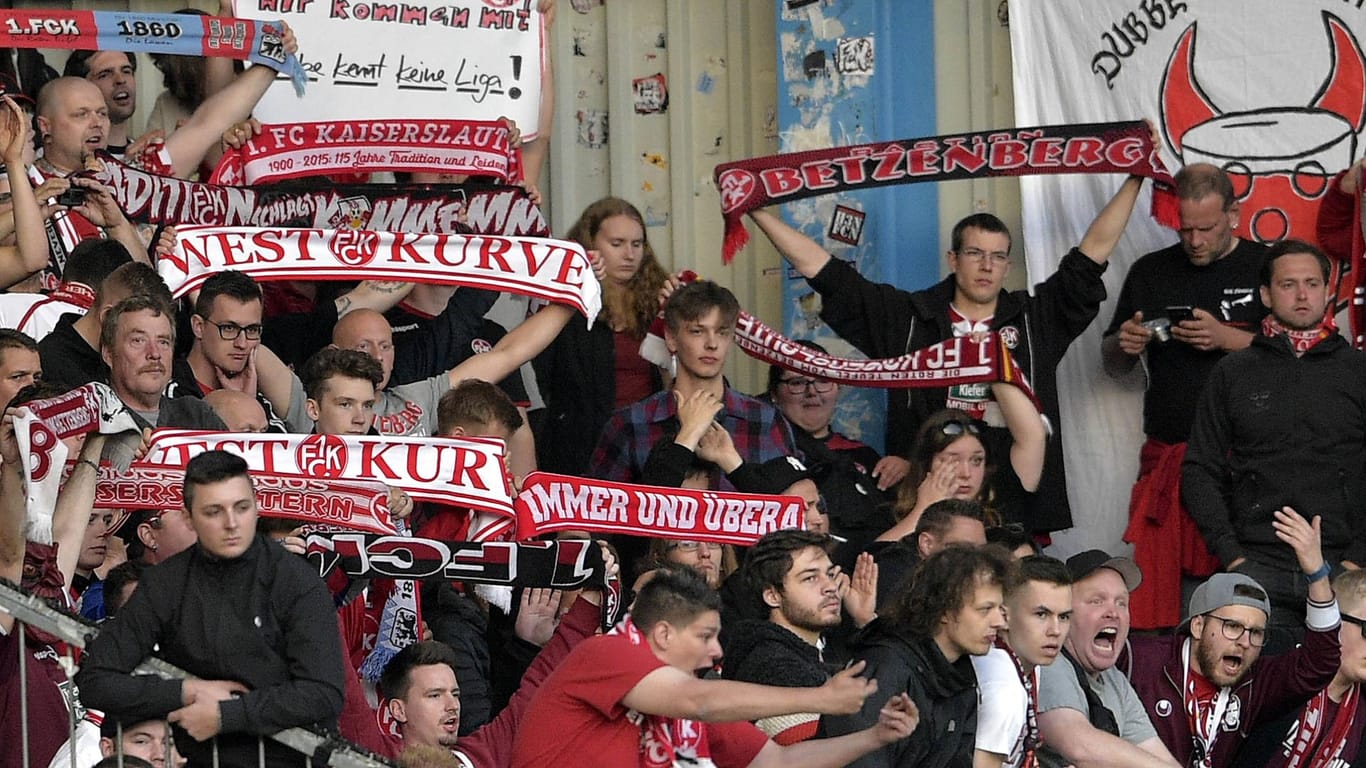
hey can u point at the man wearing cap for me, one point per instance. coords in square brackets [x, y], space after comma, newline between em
[1208, 688]
[1089, 714]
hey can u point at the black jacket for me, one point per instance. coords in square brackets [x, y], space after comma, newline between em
[577, 378]
[884, 321]
[765, 653]
[1275, 430]
[945, 693]
[264, 619]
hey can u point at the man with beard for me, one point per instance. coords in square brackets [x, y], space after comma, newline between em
[1089, 714]
[1038, 612]
[1208, 689]
[1283, 424]
[791, 573]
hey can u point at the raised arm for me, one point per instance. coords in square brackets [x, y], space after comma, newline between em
[193, 140]
[30, 254]
[804, 254]
[518, 346]
[1104, 233]
[379, 295]
[75, 501]
[1028, 437]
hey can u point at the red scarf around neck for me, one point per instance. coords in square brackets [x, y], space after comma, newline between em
[1300, 341]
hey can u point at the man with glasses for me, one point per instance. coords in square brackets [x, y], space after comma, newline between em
[884, 321]
[1207, 688]
[227, 327]
[859, 503]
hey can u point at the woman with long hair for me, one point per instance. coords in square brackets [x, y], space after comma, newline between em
[586, 374]
[951, 459]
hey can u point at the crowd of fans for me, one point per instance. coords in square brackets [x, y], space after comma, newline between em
[911, 622]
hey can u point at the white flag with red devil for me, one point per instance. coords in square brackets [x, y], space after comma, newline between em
[1274, 91]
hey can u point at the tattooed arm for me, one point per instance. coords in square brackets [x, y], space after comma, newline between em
[379, 295]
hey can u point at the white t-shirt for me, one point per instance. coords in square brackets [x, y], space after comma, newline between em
[1002, 721]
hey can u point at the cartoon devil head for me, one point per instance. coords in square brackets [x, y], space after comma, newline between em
[1280, 159]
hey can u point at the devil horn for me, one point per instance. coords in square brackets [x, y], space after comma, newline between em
[1344, 90]
[1184, 103]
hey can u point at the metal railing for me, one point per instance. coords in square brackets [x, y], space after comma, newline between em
[316, 748]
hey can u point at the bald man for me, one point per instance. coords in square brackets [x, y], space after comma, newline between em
[410, 409]
[240, 411]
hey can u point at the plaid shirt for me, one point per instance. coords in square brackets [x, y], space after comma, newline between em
[756, 428]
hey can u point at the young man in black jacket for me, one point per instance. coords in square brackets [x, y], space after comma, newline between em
[884, 321]
[924, 647]
[253, 623]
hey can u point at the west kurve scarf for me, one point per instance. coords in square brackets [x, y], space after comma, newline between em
[147, 198]
[1301, 341]
[295, 150]
[39, 427]
[260, 42]
[748, 185]
[316, 503]
[464, 472]
[552, 270]
[1316, 744]
[959, 360]
[549, 503]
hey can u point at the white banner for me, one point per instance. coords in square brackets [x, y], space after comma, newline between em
[462, 472]
[384, 59]
[1272, 90]
[552, 270]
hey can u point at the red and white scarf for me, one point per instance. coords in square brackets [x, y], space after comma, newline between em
[317, 504]
[549, 503]
[296, 150]
[39, 428]
[748, 185]
[1300, 341]
[666, 742]
[1326, 740]
[1205, 705]
[466, 472]
[1030, 681]
[551, 270]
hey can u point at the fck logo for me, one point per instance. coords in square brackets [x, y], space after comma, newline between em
[321, 456]
[736, 187]
[42, 26]
[354, 248]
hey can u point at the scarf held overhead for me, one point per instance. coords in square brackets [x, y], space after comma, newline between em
[464, 472]
[553, 270]
[147, 198]
[313, 502]
[260, 42]
[564, 564]
[291, 151]
[549, 503]
[748, 185]
[39, 428]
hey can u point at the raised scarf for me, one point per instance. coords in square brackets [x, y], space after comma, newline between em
[295, 150]
[759, 182]
[959, 360]
[551, 270]
[315, 503]
[1300, 341]
[39, 428]
[463, 472]
[148, 198]
[549, 503]
[260, 42]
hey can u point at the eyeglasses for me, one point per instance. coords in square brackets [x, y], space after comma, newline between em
[977, 256]
[693, 546]
[1233, 630]
[799, 386]
[956, 428]
[230, 331]
[1361, 623]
